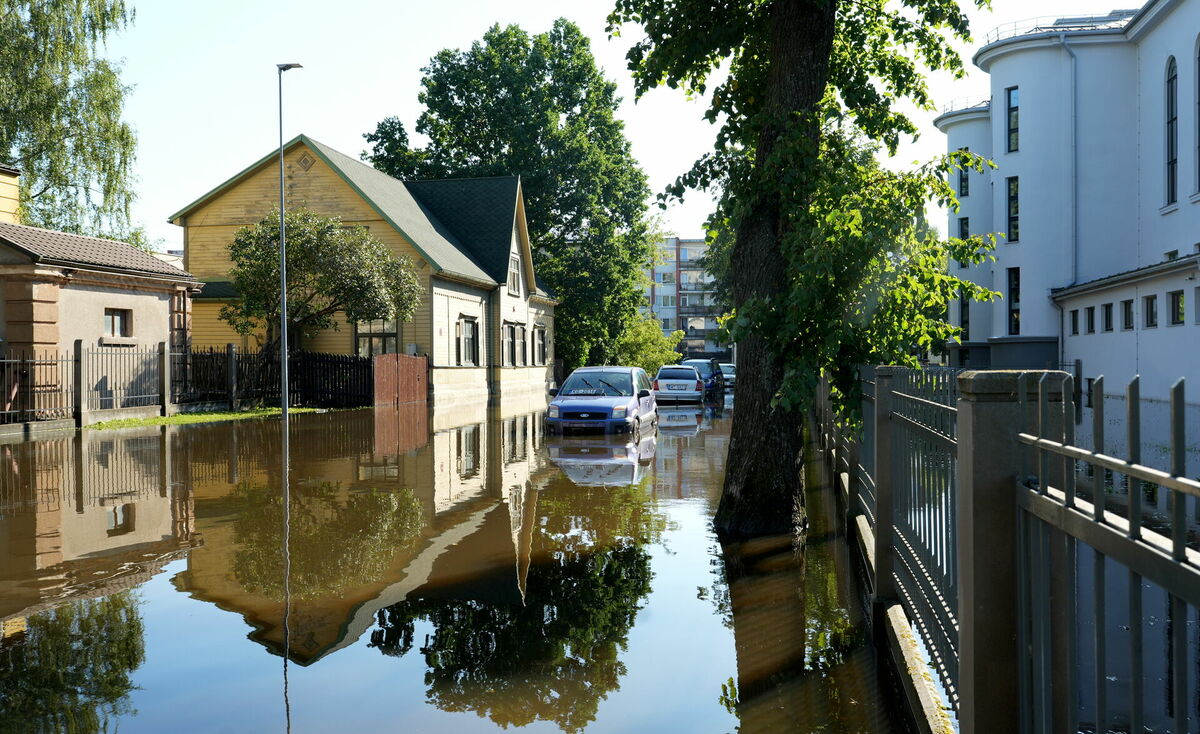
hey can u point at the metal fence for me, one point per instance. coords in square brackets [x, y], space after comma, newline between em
[122, 378]
[1125, 590]
[36, 385]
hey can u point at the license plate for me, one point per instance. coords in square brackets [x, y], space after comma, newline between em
[676, 387]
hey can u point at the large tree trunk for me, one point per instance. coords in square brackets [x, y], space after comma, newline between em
[763, 477]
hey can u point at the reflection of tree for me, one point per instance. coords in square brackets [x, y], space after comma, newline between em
[555, 658]
[338, 539]
[71, 672]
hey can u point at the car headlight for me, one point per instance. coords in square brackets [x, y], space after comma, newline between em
[552, 411]
[619, 411]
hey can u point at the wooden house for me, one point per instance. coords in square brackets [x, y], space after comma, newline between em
[484, 322]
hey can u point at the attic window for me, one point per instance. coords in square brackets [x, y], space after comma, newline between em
[514, 276]
[306, 162]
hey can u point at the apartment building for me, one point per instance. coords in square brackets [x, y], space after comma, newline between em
[680, 296]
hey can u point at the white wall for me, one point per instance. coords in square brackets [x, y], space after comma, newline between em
[81, 314]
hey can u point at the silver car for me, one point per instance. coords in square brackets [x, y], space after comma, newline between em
[730, 371]
[677, 383]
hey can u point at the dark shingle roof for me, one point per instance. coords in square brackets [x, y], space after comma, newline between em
[51, 246]
[217, 290]
[481, 212]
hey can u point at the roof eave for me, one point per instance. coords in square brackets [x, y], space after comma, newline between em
[1113, 281]
[236, 178]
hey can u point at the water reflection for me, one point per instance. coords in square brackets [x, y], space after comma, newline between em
[510, 572]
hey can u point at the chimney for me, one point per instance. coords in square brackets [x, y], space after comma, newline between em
[10, 187]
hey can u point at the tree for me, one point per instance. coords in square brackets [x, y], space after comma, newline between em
[331, 268]
[60, 114]
[822, 268]
[644, 345]
[539, 107]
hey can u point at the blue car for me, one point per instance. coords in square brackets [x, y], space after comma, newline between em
[710, 373]
[603, 399]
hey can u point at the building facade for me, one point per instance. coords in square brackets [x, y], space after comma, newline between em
[680, 297]
[484, 321]
[1094, 126]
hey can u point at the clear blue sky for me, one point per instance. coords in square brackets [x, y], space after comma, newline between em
[204, 86]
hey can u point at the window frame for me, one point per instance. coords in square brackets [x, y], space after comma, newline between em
[1074, 322]
[1106, 316]
[964, 317]
[1171, 133]
[1014, 301]
[366, 333]
[1012, 189]
[1090, 319]
[514, 275]
[1128, 315]
[964, 179]
[1012, 118]
[1150, 311]
[466, 339]
[118, 322]
[1177, 308]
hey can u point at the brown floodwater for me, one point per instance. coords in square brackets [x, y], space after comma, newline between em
[454, 570]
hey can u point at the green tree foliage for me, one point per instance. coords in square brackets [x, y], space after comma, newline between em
[71, 671]
[537, 106]
[60, 114]
[338, 541]
[829, 269]
[331, 268]
[643, 344]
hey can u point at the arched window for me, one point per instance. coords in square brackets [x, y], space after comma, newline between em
[1172, 131]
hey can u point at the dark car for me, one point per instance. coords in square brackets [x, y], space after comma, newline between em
[710, 373]
[604, 399]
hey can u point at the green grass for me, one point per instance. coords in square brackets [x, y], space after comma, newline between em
[202, 417]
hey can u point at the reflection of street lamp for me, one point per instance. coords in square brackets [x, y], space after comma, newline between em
[283, 310]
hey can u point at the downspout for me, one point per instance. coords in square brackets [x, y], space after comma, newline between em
[1074, 148]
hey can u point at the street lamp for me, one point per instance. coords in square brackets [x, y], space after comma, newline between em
[283, 310]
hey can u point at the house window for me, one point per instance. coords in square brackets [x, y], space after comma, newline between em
[684, 301]
[1013, 106]
[666, 323]
[466, 342]
[1014, 301]
[666, 301]
[1127, 314]
[668, 278]
[1172, 131]
[964, 317]
[1150, 311]
[522, 349]
[119, 520]
[964, 181]
[1091, 319]
[1176, 306]
[668, 254]
[541, 346]
[118, 322]
[964, 231]
[514, 276]
[683, 253]
[512, 345]
[1014, 209]
[1074, 321]
[1106, 317]
[376, 337]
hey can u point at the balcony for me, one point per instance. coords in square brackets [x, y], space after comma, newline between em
[696, 287]
[708, 309]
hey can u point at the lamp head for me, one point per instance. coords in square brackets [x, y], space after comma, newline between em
[284, 67]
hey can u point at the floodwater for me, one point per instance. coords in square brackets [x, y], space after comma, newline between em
[453, 571]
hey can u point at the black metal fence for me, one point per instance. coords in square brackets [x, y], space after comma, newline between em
[315, 379]
[36, 386]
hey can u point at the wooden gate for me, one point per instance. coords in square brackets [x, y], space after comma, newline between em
[400, 378]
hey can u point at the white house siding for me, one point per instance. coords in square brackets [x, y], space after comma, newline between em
[522, 308]
[451, 382]
[1091, 165]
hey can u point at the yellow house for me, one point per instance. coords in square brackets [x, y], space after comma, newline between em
[485, 324]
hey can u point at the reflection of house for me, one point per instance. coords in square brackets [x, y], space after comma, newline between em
[82, 517]
[59, 287]
[484, 321]
[473, 480]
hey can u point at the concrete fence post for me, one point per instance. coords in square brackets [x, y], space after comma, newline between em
[80, 388]
[164, 379]
[989, 460]
[231, 386]
[885, 578]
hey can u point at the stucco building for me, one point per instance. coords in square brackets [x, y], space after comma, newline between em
[484, 322]
[60, 287]
[1092, 123]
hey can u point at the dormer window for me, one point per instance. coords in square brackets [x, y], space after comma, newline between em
[514, 275]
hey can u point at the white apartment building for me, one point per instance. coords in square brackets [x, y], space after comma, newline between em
[1094, 125]
[680, 297]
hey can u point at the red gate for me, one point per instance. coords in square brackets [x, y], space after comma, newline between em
[400, 378]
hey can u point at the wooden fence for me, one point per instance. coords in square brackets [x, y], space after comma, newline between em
[400, 378]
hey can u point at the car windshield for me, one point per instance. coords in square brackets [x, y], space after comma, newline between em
[727, 369]
[704, 368]
[598, 383]
[676, 373]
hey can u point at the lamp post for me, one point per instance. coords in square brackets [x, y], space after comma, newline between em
[283, 309]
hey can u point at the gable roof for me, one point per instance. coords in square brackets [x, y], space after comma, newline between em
[63, 248]
[462, 227]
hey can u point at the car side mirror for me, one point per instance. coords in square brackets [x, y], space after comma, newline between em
[553, 392]
[643, 394]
